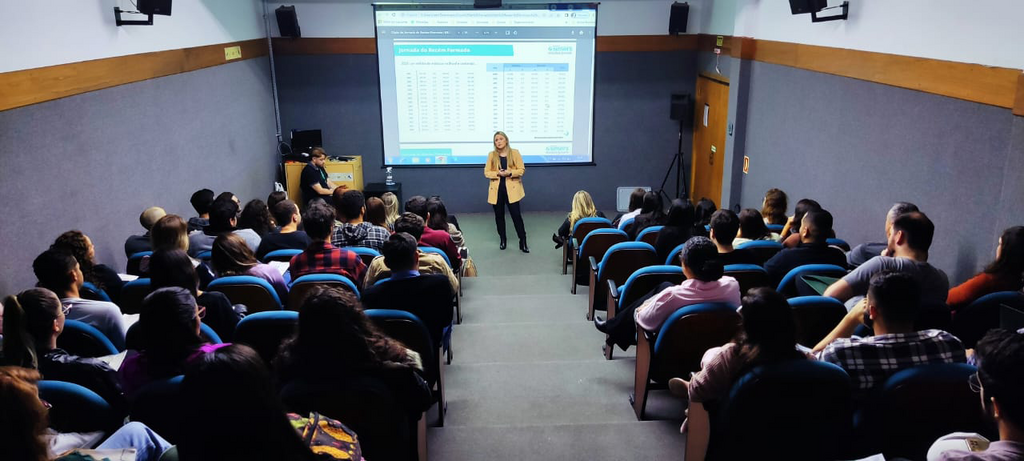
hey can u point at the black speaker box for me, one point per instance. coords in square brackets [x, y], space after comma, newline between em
[154, 7]
[807, 6]
[487, 4]
[677, 18]
[682, 109]
[288, 22]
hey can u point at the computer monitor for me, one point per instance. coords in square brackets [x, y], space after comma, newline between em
[303, 141]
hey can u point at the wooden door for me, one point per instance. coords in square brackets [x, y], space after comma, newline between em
[712, 114]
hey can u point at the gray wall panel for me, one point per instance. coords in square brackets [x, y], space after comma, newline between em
[94, 161]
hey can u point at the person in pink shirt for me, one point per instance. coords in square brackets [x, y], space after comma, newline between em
[704, 284]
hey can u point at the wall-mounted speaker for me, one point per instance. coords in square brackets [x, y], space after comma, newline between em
[154, 7]
[288, 22]
[682, 109]
[807, 6]
[677, 17]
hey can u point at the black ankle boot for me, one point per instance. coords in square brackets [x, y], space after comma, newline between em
[523, 247]
[502, 245]
[558, 241]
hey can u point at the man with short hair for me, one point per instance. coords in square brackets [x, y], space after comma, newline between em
[201, 201]
[893, 300]
[724, 226]
[286, 214]
[313, 182]
[427, 296]
[351, 230]
[435, 238]
[321, 257]
[860, 254]
[60, 273]
[140, 243]
[428, 263]
[908, 244]
[815, 228]
[223, 218]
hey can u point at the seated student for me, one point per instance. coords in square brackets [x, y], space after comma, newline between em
[636, 200]
[427, 296]
[752, 227]
[1006, 273]
[724, 225]
[377, 213]
[58, 272]
[274, 198]
[768, 336]
[223, 218]
[428, 263]
[321, 257]
[80, 246]
[391, 209]
[351, 230]
[230, 256]
[813, 248]
[228, 195]
[791, 231]
[652, 213]
[909, 240]
[201, 201]
[173, 268]
[286, 214]
[170, 327]
[434, 238]
[233, 384]
[582, 207]
[893, 301]
[140, 243]
[1000, 384]
[702, 214]
[439, 220]
[256, 216]
[25, 437]
[860, 254]
[169, 233]
[773, 207]
[678, 228]
[704, 284]
[33, 319]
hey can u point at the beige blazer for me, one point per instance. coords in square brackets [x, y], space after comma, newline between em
[513, 184]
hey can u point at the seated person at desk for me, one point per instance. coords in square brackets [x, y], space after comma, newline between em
[314, 183]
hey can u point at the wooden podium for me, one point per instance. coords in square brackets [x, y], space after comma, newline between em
[349, 173]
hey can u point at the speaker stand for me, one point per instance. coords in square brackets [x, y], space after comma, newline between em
[677, 162]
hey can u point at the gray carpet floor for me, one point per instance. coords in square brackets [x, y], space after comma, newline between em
[528, 380]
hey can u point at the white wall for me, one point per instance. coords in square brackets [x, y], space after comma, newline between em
[45, 33]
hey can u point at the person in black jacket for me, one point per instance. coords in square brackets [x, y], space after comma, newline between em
[815, 228]
[678, 228]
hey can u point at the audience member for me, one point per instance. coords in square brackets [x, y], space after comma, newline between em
[678, 228]
[227, 195]
[773, 207]
[223, 218]
[752, 227]
[582, 207]
[909, 240]
[893, 300]
[439, 220]
[80, 246]
[427, 296]
[391, 205]
[256, 216]
[201, 201]
[652, 213]
[34, 320]
[377, 213]
[230, 256]
[351, 230]
[140, 243]
[313, 182]
[58, 272]
[865, 251]
[429, 263]
[170, 233]
[636, 201]
[286, 214]
[724, 226]
[274, 198]
[321, 257]
[233, 384]
[703, 211]
[813, 249]
[174, 268]
[791, 231]
[1006, 273]
[434, 238]
[704, 283]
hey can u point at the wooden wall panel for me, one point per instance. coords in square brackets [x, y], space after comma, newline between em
[1018, 107]
[289, 46]
[606, 43]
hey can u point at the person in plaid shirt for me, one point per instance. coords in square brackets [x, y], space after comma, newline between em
[890, 309]
[321, 257]
[351, 230]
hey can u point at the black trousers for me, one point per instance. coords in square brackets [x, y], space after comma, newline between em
[513, 209]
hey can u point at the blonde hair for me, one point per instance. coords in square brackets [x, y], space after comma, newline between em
[508, 147]
[169, 233]
[582, 207]
[390, 208]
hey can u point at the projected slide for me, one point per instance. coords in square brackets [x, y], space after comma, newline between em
[451, 78]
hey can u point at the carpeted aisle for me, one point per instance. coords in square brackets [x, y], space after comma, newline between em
[528, 380]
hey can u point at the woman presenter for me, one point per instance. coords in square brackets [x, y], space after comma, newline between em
[505, 170]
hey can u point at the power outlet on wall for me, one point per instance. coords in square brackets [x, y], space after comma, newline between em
[232, 52]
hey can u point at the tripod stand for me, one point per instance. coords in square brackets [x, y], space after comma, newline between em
[677, 162]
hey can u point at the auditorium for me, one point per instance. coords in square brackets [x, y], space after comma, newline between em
[508, 229]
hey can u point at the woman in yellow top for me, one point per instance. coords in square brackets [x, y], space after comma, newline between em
[505, 169]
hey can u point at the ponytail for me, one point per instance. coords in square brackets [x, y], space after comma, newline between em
[19, 345]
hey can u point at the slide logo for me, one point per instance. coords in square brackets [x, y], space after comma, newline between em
[559, 49]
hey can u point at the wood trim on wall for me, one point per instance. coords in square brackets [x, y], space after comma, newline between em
[1018, 107]
[607, 43]
[31, 86]
[296, 46]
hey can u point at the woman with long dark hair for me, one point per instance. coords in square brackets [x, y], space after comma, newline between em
[256, 216]
[773, 207]
[679, 227]
[652, 213]
[173, 268]
[1006, 273]
[752, 227]
[81, 247]
[231, 256]
[702, 215]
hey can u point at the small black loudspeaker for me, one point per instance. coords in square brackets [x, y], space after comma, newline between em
[487, 4]
[807, 6]
[677, 18]
[155, 7]
[682, 109]
[288, 22]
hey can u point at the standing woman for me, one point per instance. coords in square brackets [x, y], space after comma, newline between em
[505, 169]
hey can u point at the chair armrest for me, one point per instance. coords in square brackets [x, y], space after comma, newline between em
[593, 264]
[612, 300]
[613, 291]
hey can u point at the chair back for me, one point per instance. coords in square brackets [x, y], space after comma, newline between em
[623, 225]
[160, 405]
[77, 408]
[815, 317]
[585, 225]
[649, 235]
[791, 285]
[409, 330]
[687, 334]
[840, 243]
[132, 268]
[382, 280]
[367, 254]
[675, 256]
[132, 294]
[265, 331]
[971, 322]
[93, 292]
[646, 279]
[204, 256]
[281, 255]
[619, 262]
[135, 339]
[934, 317]
[254, 292]
[437, 251]
[762, 249]
[303, 286]
[777, 228]
[595, 244]
[769, 404]
[748, 275]
[82, 339]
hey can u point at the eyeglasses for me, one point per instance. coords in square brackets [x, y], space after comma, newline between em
[200, 312]
[974, 382]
